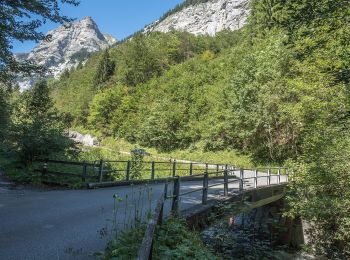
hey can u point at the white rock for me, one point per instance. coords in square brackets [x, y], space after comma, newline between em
[206, 18]
[67, 46]
[87, 140]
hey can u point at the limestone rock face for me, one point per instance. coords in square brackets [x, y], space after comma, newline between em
[66, 47]
[207, 18]
[86, 140]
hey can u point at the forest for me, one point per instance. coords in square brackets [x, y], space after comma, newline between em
[277, 90]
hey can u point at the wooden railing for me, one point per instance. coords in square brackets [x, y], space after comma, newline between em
[101, 171]
[78, 170]
[145, 251]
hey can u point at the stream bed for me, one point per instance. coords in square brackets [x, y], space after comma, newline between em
[255, 231]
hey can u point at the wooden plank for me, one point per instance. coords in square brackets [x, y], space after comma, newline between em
[153, 169]
[174, 168]
[205, 189]
[70, 175]
[100, 171]
[145, 251]
[176, 198]
[128, 169]
[225, 183]
[65, 162]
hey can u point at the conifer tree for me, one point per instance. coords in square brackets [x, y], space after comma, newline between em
[37, 127]
[104, 70]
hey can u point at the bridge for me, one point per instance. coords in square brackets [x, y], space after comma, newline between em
[73, 224]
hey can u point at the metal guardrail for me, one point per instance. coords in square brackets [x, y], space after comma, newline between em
[101, 170]
[82, 170]
[124, 170]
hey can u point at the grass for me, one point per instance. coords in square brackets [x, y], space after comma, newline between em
[197, 154]
[173, 240]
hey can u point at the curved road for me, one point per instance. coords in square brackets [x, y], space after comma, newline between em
[73, 224]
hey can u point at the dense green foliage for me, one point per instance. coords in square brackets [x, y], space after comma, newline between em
[4, 113]
[278, 89]
[105, 69]
[174, 240]
[20, 20]
[37, 128]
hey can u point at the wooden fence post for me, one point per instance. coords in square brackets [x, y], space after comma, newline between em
[128, 168]
[205, 189]
[161, 213]
[269, 176]
[255, 179]
[176, 198]
[287, 175]
[191, 169]
[225, 183]
[217, 170]
[84, 171]
[44, 170]
[279, 175]
[100, 171]
[241, 177]
[166, 190]
[153, 168]
[174, 168]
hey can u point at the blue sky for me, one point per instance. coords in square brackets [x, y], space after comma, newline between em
[120, 18]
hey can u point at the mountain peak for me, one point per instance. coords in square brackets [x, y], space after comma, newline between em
[66, 47]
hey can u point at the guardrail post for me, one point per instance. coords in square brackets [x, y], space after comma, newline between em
[176, 194]
[225, 182]
[166, 190]
[128, 169]
[241, 178]
[217, 170]
[255, 179]
[153, 168]
[191, 169]
[44, 171]
[205, 189]
[100, 171]
[84, 171]
[279, 175]
[174, 168]
[161, 213]
[269, 176]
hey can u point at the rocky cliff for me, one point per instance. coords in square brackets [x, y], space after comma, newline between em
[66, 47]
[204, 17]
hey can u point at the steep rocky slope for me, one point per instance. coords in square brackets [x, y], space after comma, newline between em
[66, 47]
[204, 17]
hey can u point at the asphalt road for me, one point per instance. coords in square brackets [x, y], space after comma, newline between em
[73, 224]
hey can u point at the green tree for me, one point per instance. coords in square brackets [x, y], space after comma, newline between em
[105, 69]
[38, 129]
[104, 107]
[4, 113]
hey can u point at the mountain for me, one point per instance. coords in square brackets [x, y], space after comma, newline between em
[202, 17]
[66, 47]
